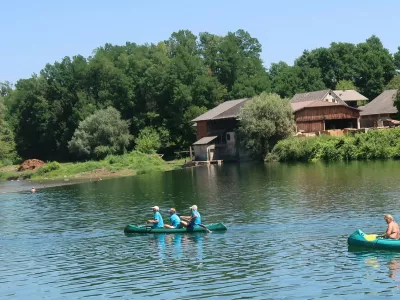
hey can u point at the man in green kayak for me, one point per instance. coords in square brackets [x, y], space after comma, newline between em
[392, 231]
[175, 220]
[157, 221]
[194, 220]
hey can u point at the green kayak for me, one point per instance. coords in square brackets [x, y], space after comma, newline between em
[143, 229]
[360, 239]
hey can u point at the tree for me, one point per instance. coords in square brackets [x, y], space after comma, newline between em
[396, 57]
[346, 85]
[368, 65]
[287, 80]
[148, 141]
[264, 121]
[394, 84]
[7, 144]
[101, 134]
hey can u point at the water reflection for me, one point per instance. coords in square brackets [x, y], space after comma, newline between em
[378, 259]
[174, 246]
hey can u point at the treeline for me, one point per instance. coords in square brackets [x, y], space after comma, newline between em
[158, 88]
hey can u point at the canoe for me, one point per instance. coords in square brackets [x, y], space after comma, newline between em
[359, 239]
[131, 228]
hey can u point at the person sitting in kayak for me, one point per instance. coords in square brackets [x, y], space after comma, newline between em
[175, 220]
[392, 231]
[157, 219]
[193, 220]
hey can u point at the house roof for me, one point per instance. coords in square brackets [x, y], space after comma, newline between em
[349, 95]
[311, 96]
[227, 109]
[383, 104]
[205, 140]
[316, 103]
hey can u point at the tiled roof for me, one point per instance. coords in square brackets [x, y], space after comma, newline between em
[311, 96]
[349, 95]
[383, 104]
[227, 109]
[205, 140]
[316, 103]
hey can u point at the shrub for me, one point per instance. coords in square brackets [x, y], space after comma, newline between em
[101, 134]
[264, 121]
[148, 141]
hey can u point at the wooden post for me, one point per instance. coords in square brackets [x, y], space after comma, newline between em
[190, 152]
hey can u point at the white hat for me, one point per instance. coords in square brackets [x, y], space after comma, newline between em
[156, 208]
[194, 207]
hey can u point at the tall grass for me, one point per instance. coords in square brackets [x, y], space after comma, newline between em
[375, 144]
[131, 163]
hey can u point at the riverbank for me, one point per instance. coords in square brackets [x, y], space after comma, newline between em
[112, 166]
[372, 145]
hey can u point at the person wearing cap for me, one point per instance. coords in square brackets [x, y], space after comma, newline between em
[174, 219]
[157, 221]
[193, 220]
[33, 190]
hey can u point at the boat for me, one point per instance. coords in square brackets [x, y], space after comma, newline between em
[131, 228]
[360, 239]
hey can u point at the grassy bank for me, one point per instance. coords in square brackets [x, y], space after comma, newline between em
[132, 163]
[375, 144]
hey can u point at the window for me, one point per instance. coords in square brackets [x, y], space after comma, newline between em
[228, 137]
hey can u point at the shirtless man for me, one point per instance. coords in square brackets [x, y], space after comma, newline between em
[392, 231]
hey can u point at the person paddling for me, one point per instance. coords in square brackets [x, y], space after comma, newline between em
[175, 220]
[194, 220]
[392, 231]
[157, 221]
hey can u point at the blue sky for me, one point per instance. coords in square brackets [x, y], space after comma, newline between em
[34, 33]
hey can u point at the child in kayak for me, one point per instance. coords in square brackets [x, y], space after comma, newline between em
[157, 221]
[174, 219]
[392, 231]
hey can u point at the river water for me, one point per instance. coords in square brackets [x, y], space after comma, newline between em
[286, 238]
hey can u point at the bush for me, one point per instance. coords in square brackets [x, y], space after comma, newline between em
[375, 144]
[101, 134]
[148, 141]
[264, 121]
[51, 166]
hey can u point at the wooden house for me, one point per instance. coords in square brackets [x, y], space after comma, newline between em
[379, 110]
[323, 110]
[216, 132]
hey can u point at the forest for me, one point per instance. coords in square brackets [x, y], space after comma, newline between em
[130, 96]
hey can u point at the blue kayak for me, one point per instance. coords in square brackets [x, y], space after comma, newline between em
[360, 239]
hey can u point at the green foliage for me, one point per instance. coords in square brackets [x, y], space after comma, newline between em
[47, 168]
[264, 121]
[287, 80]
[148, 141]
[368, 65]
[8, 154]
[346, 85]
[101, 134]
[375, 144]
[394, 84]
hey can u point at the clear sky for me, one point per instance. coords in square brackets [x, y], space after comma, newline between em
[34, 33]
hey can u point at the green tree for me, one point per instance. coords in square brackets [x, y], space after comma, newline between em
[396, 57]
[394, 84]
[7, 144]
[368, 65]
[264, 121]
[101, 134]
[287, 80]
[346, 85]
[148, 141]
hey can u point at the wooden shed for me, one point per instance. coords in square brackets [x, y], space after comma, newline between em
[380, 109]
[319, 111]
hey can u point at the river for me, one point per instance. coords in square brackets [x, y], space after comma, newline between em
[286, 239]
